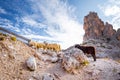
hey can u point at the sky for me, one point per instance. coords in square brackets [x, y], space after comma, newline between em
[55, 21]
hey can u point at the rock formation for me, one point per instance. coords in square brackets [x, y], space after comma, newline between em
[118, 34]
[115, 40]
[95, 28]
[73, 59]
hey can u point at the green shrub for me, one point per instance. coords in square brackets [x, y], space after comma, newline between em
[13, 38]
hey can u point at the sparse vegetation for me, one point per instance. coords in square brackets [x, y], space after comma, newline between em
[114, 70]
[84, 43]
[3, 34]
[13, 38]
[85, 63]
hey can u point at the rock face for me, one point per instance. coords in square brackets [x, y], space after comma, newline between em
[95, 28]
[115, 40]
[108, 31]
[118, 34]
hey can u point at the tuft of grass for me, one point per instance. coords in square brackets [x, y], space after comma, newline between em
[84, 43]
[114, 70]
[13, 38]
[85, 63]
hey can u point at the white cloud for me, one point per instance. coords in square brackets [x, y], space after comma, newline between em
[116, 21]
[2, 11]
[114, 1]
[8, 24]
[30, 21]
[27, 31]
[112, 9]
[61, 22]
[31, 36]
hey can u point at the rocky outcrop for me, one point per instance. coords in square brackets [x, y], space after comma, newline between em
[73, 59]
[95, 28]
[115, 40]
[118, 34]
[108, 31]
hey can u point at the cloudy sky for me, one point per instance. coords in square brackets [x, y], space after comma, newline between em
[55, 21]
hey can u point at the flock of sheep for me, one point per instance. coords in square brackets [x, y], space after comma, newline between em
[53, 47]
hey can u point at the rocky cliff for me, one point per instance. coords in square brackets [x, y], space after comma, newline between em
[95, 28]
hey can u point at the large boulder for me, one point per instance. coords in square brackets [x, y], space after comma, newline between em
[73, 59]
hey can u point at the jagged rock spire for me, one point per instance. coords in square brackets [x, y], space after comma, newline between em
[95, 28]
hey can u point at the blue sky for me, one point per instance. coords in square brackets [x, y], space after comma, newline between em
[55, 21]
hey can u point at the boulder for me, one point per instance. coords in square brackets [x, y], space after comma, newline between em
[31, 63]
[73, 59]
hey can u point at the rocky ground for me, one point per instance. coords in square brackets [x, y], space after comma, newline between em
[18, 61]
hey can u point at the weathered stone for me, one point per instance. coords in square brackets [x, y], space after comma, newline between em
[47, 77]
[31, 63]
[73, 59]
[54, 59]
